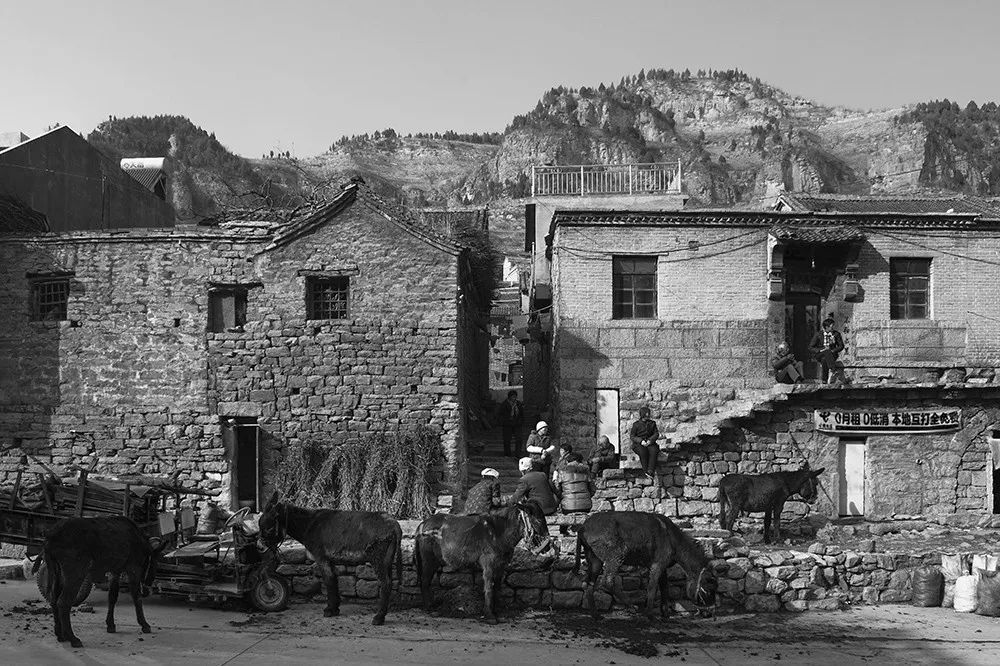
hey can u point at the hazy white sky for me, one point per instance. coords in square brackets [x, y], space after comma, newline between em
[278, 75]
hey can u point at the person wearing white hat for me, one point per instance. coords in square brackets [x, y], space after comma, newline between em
[485, 495]
[541, 447]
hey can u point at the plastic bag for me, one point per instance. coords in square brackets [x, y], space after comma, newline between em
[965, 594]
[952, 566]
[928, 586]
[988, 593]
[984, 563]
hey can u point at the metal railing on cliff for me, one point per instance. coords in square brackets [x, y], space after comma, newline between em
[598, 179]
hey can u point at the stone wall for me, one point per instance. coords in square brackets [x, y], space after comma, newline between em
[906, 475]
[825, 578]
[134, 371]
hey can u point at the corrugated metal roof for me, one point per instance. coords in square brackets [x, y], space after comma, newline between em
[148, 178]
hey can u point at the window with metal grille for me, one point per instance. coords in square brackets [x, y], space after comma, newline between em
[634, 287]
[909, 288]
[49, 298]
[326, 297]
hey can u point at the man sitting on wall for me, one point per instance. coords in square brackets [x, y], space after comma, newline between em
[535, 485]
[644, 434]
[787, 370]
[603, 457]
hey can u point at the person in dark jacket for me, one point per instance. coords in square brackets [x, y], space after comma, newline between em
[787, 370]
[603, 457]
[511, 416]
[485, 495]
[541, 447]
[536, 485]
[643, 435]
[827, 345]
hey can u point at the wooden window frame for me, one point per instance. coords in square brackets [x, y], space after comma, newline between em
[905, 291]
[634, 286]
[238, 311]
[50, 297]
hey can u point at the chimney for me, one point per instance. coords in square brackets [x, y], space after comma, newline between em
[10, 139]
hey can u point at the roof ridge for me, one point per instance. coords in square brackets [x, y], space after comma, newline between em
[404, 217]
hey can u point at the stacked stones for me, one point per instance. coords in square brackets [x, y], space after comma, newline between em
[824, 578]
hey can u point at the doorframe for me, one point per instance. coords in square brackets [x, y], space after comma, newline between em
[231, 442]
[842, 443]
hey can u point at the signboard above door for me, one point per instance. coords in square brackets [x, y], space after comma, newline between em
[887, 422]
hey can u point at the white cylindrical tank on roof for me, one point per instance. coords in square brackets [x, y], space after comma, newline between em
[143, 163]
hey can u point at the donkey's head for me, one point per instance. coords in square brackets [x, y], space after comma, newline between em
[703, 588]
[272, 524]
[807, 489]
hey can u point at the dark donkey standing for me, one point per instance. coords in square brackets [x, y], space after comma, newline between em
[763, 492]
[339, 537]
[610, 539]
[484, 542]
[101, 546]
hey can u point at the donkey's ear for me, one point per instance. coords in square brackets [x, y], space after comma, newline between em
[271, 503]
[817, 472]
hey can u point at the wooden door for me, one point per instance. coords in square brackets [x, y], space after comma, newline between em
[802, 320]
[851, 475]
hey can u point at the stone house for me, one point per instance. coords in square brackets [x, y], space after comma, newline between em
[209, 350]
[682, 310]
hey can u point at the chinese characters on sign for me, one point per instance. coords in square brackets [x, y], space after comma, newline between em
[875, 422]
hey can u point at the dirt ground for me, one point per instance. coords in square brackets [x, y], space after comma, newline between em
[186, 633]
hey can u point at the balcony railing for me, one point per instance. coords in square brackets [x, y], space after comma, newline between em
[583, 180]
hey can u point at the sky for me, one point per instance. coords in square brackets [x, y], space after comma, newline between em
[296, 75]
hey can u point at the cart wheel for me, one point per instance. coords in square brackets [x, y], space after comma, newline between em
[42, 581]
[270, 593]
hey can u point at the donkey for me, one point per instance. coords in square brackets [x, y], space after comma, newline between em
[740, 493]
[101, 546]
[610, 539]
[474, 542]
[339, 537]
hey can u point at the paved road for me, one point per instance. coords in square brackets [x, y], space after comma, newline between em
[192, 634]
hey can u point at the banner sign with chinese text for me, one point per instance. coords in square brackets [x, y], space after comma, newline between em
[882, 422]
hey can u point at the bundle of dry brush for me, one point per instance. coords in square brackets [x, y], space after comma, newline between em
[379, 471]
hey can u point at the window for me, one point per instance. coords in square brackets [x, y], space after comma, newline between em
[49, 298]
[227, 309]
[634, 285]
[326, 297]
[909, 288]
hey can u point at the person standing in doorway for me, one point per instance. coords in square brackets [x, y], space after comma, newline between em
[644, 435]
[827, 345]
[511, 416]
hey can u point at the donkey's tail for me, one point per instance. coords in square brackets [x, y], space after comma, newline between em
[723, 499]
[579, 548]
[399, 563]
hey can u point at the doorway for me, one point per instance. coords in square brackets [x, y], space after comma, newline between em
[802, 318]
[242, 439]
[994, 442]
[608, 415]
[851, 476]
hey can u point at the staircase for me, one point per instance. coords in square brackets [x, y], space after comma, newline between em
[486, 450]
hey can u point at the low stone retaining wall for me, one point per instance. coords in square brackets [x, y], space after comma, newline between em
[824, 578]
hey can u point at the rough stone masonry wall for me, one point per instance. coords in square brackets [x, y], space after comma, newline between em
[906, 476]
[825, 578]
[134, 372]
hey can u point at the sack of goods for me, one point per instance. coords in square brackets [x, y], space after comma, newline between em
[965, 594]
[984, 562]
[952, 566]
[988, 593]
[928, 586]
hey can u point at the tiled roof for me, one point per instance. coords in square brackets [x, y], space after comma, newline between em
[817, 234]
[357, 191]
[844, 203]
